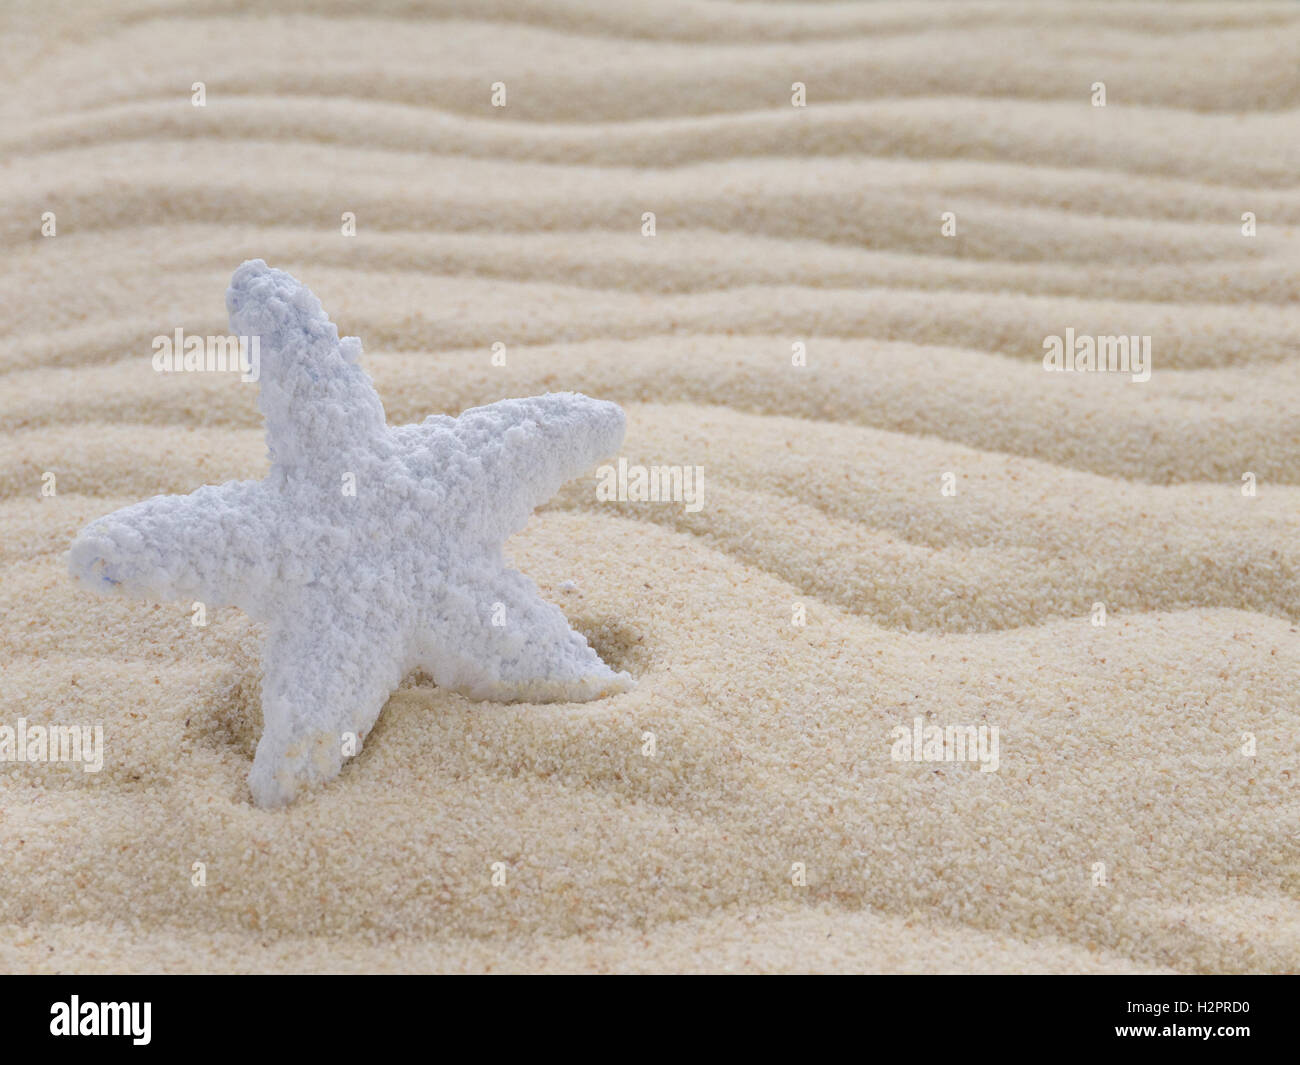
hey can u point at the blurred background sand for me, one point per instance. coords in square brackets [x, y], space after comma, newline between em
[1120, 745]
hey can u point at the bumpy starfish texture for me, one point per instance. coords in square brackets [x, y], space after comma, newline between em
[368, 551]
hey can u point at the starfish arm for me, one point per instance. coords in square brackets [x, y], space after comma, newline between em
[329, 666]
[528, 448]
[491, 635]
[315, 397]
[210, 545]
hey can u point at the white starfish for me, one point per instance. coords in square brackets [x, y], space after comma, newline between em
[359, 589]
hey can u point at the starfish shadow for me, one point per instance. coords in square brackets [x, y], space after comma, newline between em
[620, 646]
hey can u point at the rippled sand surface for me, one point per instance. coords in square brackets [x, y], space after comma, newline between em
[1124, 828]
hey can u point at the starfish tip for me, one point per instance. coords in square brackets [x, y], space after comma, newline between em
[97, 556]
[274, 305]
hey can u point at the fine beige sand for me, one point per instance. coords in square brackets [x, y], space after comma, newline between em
[1126, 827]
